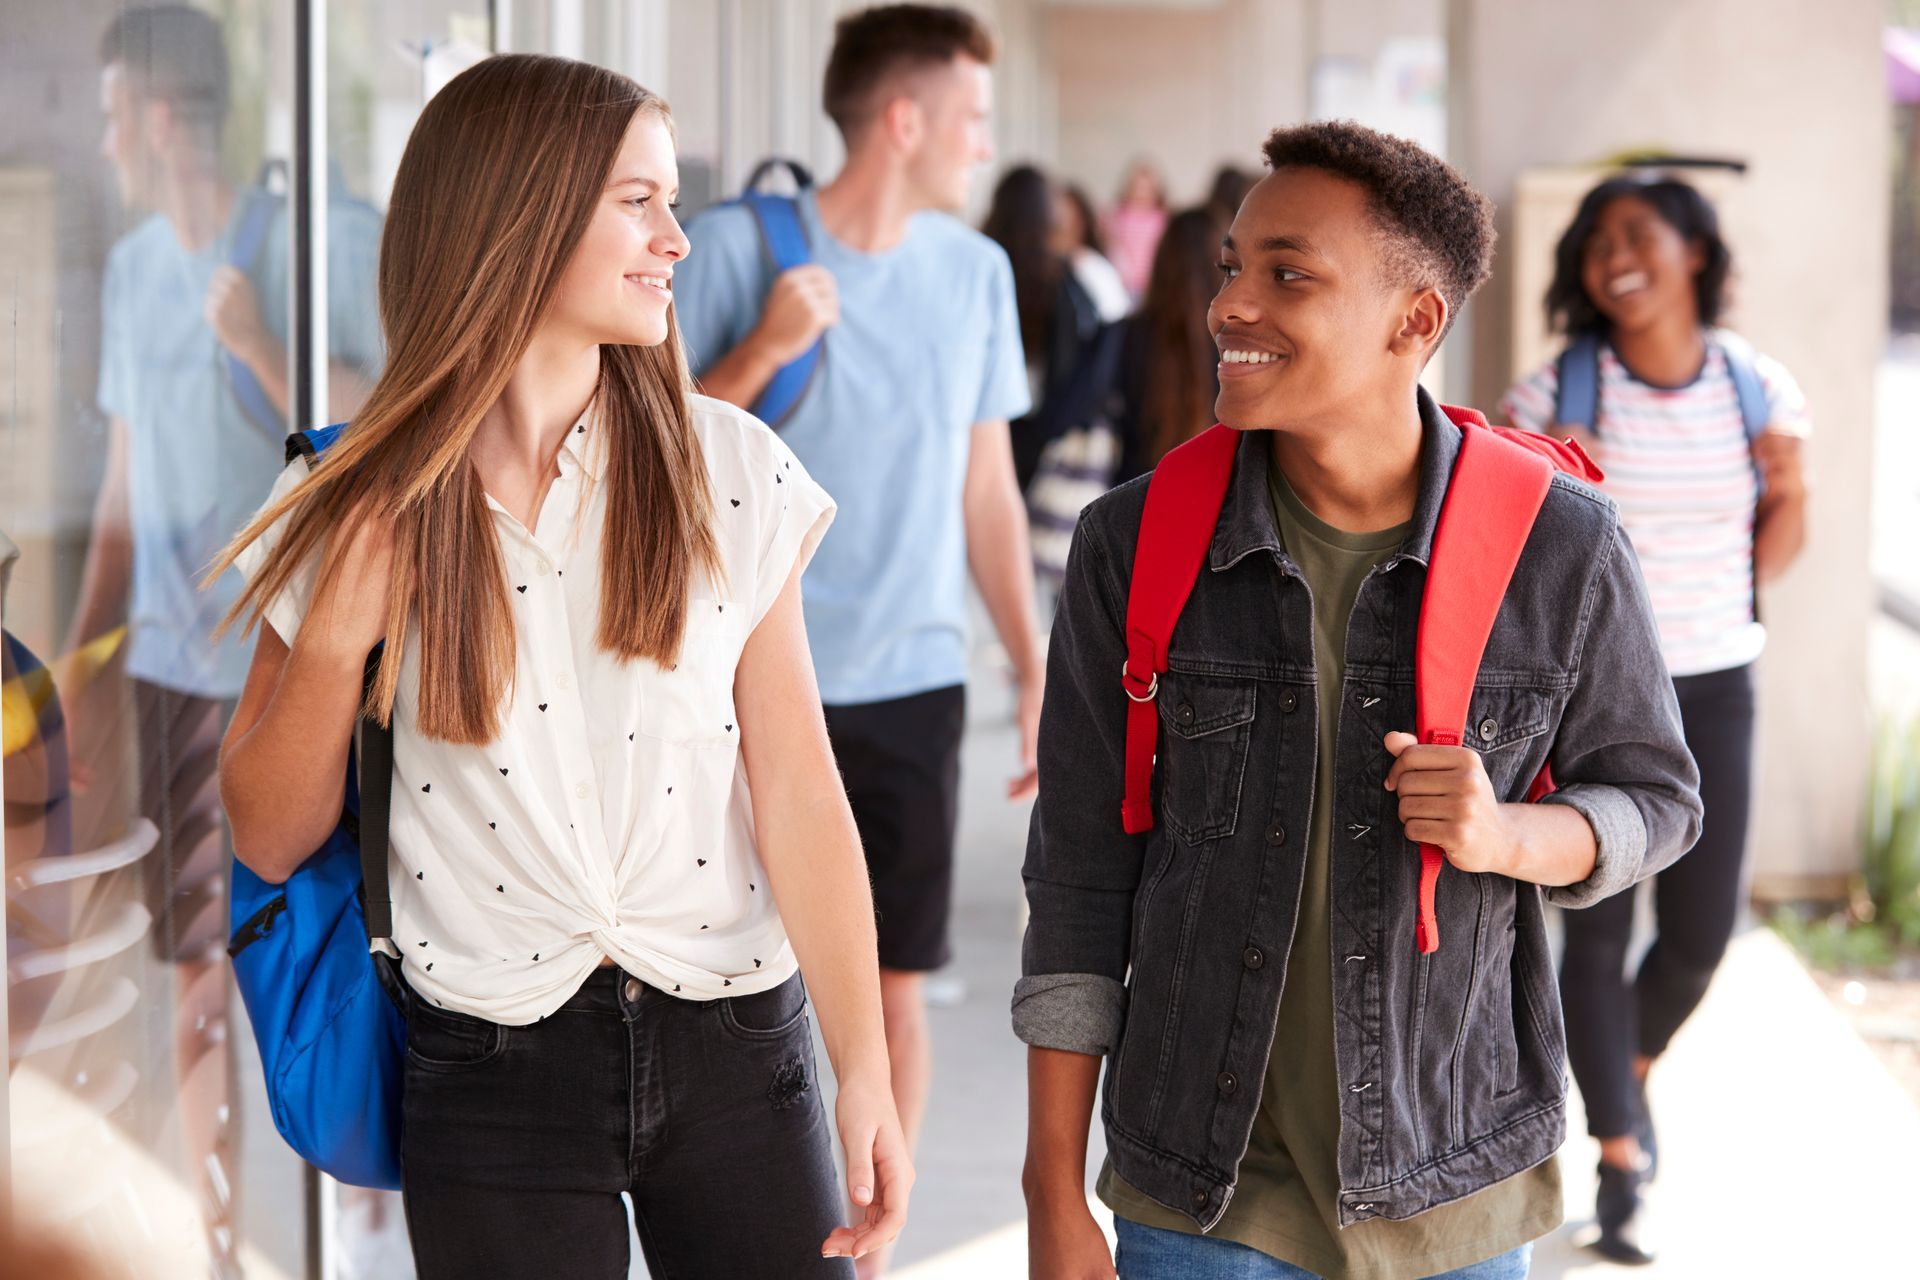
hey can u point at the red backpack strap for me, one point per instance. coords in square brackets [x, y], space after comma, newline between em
[1499, 483]
[1183, 506]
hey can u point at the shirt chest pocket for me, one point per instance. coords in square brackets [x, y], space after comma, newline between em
[690, 701]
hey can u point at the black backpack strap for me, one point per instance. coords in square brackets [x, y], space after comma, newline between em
[376, 803]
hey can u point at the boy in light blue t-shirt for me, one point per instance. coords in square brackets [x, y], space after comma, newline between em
[905, 424]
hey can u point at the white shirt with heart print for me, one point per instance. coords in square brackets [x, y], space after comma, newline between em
[611, 817]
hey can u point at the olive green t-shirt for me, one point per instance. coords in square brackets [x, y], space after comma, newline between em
[1286, 1199]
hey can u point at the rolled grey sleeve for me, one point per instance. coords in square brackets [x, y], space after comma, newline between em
[1081, 867]
[1078, 1012]
[1620, 758]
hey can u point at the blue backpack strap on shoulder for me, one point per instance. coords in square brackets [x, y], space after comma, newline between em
[376, 748]
[786, 243]
[1577, 402]
[1755, 411]
[249, 240]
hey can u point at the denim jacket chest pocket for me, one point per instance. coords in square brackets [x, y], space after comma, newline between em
[1206, 725]
[1509, 724]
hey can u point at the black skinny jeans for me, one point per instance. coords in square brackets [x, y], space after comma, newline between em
[516, 1142]
[1696, 901]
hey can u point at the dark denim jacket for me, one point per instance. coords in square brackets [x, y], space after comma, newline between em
[1168, 950]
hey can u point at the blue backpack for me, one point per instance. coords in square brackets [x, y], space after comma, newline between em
[785, 240]
[1577, 403]
[312, 963]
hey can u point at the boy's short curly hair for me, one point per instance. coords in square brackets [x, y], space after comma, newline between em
[1438, 229]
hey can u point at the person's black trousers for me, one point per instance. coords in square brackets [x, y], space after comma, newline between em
[517, 1142]
[1610, 1018]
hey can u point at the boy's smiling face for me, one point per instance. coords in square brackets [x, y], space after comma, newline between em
[1317, 314]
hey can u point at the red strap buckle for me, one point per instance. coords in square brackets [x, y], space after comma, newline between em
[1130, 682]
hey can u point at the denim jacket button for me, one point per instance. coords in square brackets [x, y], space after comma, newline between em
[1184, 713]
[1200, 1197]
[1289, 702]
[1253, 957]
[1489, 729]
[1276, 834]
[1227, 1082]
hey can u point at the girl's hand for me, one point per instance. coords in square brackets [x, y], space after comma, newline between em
[879, 1171]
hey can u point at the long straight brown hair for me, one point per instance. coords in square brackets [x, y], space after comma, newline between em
[499, 180]
[1180, 379]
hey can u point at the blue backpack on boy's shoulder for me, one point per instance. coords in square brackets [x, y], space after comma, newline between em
[311, 960]
[785, 240]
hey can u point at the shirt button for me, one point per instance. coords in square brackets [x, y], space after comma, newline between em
[581, 791]
[540, 567]
[632, 990]
[563, 682]
[1253, 957]
[1276, 834]
[1227, 1082]
[1289, 702]
[1489, 729]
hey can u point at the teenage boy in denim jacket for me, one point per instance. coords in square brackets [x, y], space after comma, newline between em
[1295, 1089]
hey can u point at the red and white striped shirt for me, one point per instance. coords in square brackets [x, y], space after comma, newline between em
[1679, 466]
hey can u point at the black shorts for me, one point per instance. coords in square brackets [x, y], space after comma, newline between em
[900, 761]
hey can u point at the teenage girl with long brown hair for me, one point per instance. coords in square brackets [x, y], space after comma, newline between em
[613, 801]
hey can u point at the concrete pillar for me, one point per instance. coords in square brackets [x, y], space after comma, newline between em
[1796, 88]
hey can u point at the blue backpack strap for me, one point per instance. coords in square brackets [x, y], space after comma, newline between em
[1577, 402]
[376, 751]
[786, 243]
[1755, 411]
[313, 442]
[249, 239]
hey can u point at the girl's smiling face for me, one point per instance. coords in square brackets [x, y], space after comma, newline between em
[619, 284]
[1636, 266]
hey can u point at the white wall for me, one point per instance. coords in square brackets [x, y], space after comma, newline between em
[1191, 89]
[1797, 88]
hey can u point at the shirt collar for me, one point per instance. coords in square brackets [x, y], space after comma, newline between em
[583, 446]
[1246, 517]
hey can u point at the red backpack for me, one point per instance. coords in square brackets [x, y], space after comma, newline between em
[1498, 485]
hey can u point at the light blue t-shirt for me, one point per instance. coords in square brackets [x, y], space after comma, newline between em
[198, 467]
[927, 345]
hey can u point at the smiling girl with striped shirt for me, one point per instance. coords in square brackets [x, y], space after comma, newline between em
[1714, 500]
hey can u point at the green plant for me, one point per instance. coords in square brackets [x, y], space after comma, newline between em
[1837, 942]
[1890, 862]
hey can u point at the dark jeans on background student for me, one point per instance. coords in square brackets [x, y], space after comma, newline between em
[1611, 1018]
[517, 1142]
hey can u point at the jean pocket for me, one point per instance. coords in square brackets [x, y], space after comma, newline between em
[443, 1040]
[766, 1015]
[1206, 725]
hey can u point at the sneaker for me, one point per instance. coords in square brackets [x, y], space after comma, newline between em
[1622, 1216]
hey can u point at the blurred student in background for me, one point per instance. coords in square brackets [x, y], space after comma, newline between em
[1714, 497]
